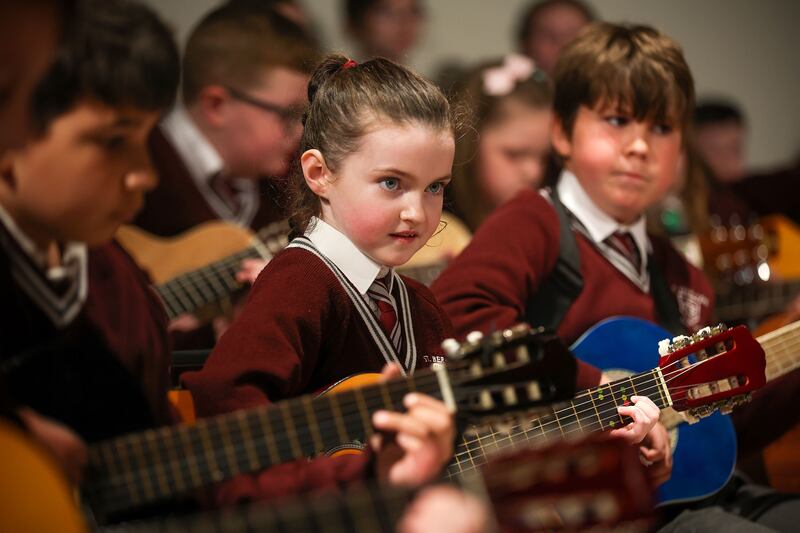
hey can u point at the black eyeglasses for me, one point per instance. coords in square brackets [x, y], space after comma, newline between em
[290, 116]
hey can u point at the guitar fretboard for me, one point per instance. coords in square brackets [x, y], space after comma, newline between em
[782, 349]
[199, 288]
[141, 468]
[756, 300]
[591, 410]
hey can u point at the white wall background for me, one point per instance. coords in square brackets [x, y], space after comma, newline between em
[743, 49]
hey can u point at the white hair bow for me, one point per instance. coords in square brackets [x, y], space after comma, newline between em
[499, 81]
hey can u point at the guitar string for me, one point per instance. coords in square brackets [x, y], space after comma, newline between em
[668, 376]
[168, 463]
[282, 439]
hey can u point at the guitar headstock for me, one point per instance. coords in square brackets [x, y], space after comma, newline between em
[570, 485]
[716, 368]
[514, 369]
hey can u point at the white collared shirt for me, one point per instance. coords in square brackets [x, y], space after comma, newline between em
[598, 224]
[30, 269]
[357, 266]
[203, 163]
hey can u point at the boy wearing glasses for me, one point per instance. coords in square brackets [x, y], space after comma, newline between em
[245, 71]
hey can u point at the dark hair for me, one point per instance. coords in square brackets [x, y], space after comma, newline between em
[629, 65]
[343, 102]
[715, 111]
[534, 91]
[117, 52]
[532, 12]
[235, 44]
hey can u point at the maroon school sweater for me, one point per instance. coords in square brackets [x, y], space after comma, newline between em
[297, 334]
[131, 317]
[493, 281]
[176, 205]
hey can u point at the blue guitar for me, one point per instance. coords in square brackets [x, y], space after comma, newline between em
[704, 453]
[714, 369]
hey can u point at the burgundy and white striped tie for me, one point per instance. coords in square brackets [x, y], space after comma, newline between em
[387, 306]
[623, 242]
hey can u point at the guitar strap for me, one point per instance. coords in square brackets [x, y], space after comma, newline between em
[407, 363]
[564, 284]
[561, 288]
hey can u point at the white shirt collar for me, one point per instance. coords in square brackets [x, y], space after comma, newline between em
[359, 268]
[39, 257]
[200, 157]
[599, 224]
[204, 162]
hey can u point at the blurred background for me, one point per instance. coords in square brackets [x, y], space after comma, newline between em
[740, 50]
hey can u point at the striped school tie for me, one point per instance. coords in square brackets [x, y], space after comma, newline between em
[387, 307]
[623, 242]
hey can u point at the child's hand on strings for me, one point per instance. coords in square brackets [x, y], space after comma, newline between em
[412, 447]
[250, 269]
[645, 415]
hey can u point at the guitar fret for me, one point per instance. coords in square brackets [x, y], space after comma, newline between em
[313, 424]
[291, 428]
[223, 430]
[594, 408]
[129, 486]
[170, 444]
[183, 299]
[272, 447]
[214, 470]
[144, 472]
[615, 404]
[157, 463]
[247, 436]
[387, 400]
[190, 456]
[173, 307]
[366, 420]
[337, 417]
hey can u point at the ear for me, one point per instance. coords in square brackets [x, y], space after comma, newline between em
[560, 139]
[8, 180]
[212, 104]
[316, 172]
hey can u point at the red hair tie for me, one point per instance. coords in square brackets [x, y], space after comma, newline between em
[349, 64]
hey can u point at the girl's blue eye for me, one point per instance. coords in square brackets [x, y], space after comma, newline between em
[437, 187]
[390, 184]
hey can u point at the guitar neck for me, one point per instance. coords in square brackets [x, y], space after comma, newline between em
[372, 508]
[194, 290]
[138, 469]
[782, 349]
[756, 300]
[591, 410]
[198, 288]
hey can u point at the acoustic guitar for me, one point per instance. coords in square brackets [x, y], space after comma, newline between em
[196, 270]
[478, 383]
[704, 454]
[572, 486]
[714, 370]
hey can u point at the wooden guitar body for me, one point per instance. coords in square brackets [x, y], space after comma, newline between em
[167, 257]
[37, 497]
[704, 454]
[784, 235]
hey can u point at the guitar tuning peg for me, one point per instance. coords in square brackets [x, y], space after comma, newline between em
[451, 348]
[664, 347]
[474, 337]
